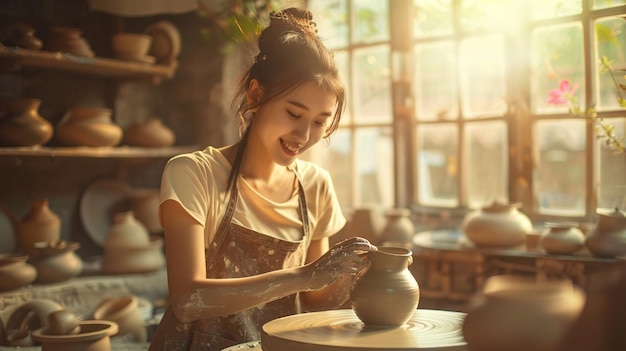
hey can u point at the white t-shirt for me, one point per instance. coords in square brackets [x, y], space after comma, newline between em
[198, 181]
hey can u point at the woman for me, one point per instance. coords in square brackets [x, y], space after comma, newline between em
[247, 226]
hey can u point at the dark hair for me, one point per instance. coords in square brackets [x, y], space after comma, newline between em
[290, 54]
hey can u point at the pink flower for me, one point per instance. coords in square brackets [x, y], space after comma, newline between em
[563, 94]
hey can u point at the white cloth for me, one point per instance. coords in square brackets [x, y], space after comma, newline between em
[198, 181]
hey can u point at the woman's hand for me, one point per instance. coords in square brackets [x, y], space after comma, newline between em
[345, 257]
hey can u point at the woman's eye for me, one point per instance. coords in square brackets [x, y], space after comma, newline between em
[321, 123]
[293, 115]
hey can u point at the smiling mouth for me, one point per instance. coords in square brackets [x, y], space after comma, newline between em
[291, 148]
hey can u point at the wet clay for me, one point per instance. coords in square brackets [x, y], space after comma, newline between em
[341, 330]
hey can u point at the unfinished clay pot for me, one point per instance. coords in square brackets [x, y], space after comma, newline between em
[88, 126]
[21, 124]
[386, 294]
[125, 312]
[517, 313]
[608, 238]
[39, 224]
[562, 239]
[93, 336]
[56, 261]
[497, 225]
[15, 272]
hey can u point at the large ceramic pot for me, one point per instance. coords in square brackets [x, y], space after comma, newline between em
[88, 126]
[56, 261]
[39, 224]
[149, 133]
[399, 228]
[386, 294]
[562, 239]
[497, 225]
[516, 313]
[93, 336]
[125, 312]
[608, 238]
[21, 124]
[15, 272]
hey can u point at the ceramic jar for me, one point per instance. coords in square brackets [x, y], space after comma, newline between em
[88, 126]
[517, 313]
[39, 224]
[367, 222]
[15, 272]
[386, 294]
[125, 312]
[608, 238]
[21, 124]
[126, 231]
[149, 133]
[562, 239]
[399, 228]
[93, 336]
[497, 225]
[145, 208]
[56, 261]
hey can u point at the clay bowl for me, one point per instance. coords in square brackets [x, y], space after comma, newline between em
[131, 46]
[93, 336]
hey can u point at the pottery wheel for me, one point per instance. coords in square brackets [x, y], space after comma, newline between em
[341, 330]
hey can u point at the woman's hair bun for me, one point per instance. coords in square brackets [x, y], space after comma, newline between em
[294, 19]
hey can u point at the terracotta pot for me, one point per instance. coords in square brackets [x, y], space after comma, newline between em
[497, 225]
[88, 126]
[516, 313]
[562, 239]
[149, 133]
[368, 223]
[125, 312]
[56, 261]
[126, 231]
[39, 224]
[63, 322]
[93, 336]
[134, 259]
[21, 124]
[399, 229]
[27, 317]
[15, 272]
[386, 294]
[608, 238]
[145, 207]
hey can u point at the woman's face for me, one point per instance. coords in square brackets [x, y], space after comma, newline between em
[291, 124]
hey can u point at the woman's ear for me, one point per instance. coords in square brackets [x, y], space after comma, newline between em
[254, 92]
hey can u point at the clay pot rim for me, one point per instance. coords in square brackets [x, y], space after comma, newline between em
[394, 251]
[561, 225]
[497, 207]
[508, 285]
[9, 258]
[55, 246]
[103, 328]
[113, 308]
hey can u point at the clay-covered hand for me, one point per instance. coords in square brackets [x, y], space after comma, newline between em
[345, 257]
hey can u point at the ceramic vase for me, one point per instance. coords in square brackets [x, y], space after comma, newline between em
[517, 313]
[134, 259]
[39, 224]
[145, 208]
[21, 124]
[88, 126]
[15, 272]
[608, 238]
[126, 231]
[386, 294]
[93, 336]
[562, 239]
[125, 312]
[497, 225]
[149, 133]
[399, 228]
[56, 261]
[368, 223]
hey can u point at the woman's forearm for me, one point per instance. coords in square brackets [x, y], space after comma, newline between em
[219, 297]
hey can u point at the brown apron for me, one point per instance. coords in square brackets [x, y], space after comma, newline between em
[237, 252]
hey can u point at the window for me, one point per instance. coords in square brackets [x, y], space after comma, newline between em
[480, 127]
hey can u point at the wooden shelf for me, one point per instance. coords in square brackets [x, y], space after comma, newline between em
[17, 58]
[97, 152]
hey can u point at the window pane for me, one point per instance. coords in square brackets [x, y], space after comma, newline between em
[486, 157]
[556, 54]
[336, 158]
[433, 17]
[483, 76]
[602, 4]
[611, 42]
[544, 9]
[374, 165]
[343, 65]
[560, 177]
[371, 21]
[437, 172]
[477, 15]
[612, 171]
[372, 85]
[331, 17]
[435, 82]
